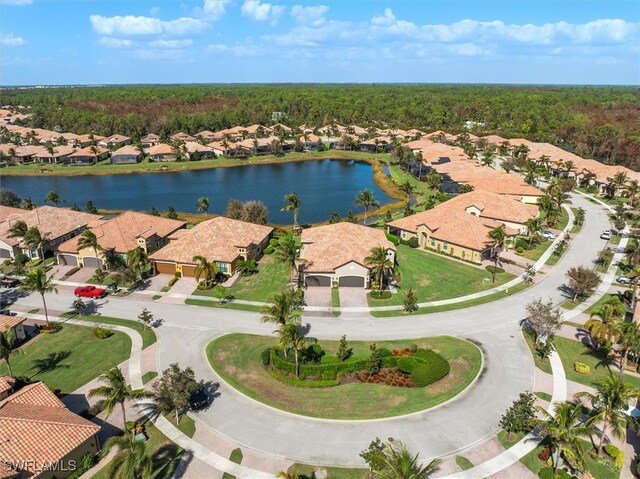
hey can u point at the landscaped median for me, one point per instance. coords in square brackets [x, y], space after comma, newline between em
[238, 360]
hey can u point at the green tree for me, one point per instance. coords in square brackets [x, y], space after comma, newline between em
[205, 269]
[520, 417]
[374, 362]
[291, 335]
[79, 306]
[171, 213]
[632, 253]
[9, 198]
[220, 293]
[36, 281]
[203, 205]
[366, 199]
[380, 264]
[497, 239]
[88, 239]
[287, 252]
[582, 281]
[565, 429]
[90, 208]
[410, 301]
[146, 318]
[53, 198]
[344, 351]
[28, 204]
[293, 203]
[172, 392]
[116, 391]
[137, 261]
[8, 344]
[334, 218]
[36, 240]
[533, 226]
[609, 405]
[131, 461]
[393, 460]
[279, 310]
[18, 229]
[604, 324]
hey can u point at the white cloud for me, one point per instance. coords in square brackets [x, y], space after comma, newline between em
[213, 9]
[16, 2]
[10, 40]
[130, 25]
[217, 48]
[261, 11]
[313, 15]
[111, 42]
[171, 44]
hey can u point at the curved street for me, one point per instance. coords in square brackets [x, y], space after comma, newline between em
[468, 419]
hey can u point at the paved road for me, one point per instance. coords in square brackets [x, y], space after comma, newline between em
[467, 420]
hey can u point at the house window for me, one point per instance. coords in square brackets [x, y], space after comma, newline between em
[223, 267]
[445, 246]
[403, 235]
[433, 243]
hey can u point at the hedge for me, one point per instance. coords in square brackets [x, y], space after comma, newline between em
[269, 250]
[616, 454]
[434, 368]
[393, 238]
[319, 370]
[302, 382]
[547, 473]
[406, 364]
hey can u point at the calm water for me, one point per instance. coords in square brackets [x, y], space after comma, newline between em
[323, 186]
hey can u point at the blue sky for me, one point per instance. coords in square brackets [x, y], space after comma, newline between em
[225, 41]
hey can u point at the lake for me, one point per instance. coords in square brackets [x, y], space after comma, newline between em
[323, 186]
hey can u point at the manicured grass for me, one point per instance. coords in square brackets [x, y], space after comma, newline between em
[236, 358]
[304, 471]
[541, 365]
[271, 278]
[165, 455]
[148, 376]
[186, 425]
[335, 298]
[544, 396]
[450, 307]
[70, 358]
[148, 336]
[434, 277]
[236, 457]
[598, 304]
[215, 304]
[463, 463]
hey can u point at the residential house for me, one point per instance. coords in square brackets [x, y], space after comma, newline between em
[182, 136]
[88, 140]
[126, 154]
[450, 230]
[89, 155]
[148, 141]
[222, 240]
[310, 141]
[56, 224]
[220, 148]
[162, 152]
[15, 324]
[206, 136]
[7, 383]
[196, 151]
[335, 255]
[58, 154]
[258, 131]
[26, 153]
[37, 431]
[117, 236]
[280, 129]
[114, 141]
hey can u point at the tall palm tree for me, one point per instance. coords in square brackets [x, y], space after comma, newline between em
[279, 310]
[131, 460]
[287, 252]
[28, 204]
[88, 239]
[205, 268]
[400, 463]
[632, 189]
[565, 429]
[36, 281]
[533, 226]
[290, 335]
[8, 344]
[365, 199]
[616, 183]
[18, 229]
[632, 253]
[604, 324]
[380, 264]
[203, 205]
[629, 342]
[137, 260]
[116, 391]
[407, 188]
[35, 240]
[609, 405]
[52, 197]
[497, 240]
[292, 204]
[549, 207]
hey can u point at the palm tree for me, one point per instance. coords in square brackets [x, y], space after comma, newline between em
[609, 405]
[629, 342]
[116, 391]
[28, 204]
[203, 205]
[533, 226]
[292, 204]
[380, 264]
[407, 188]
[8, 344]
[52, 197]
[400, 463]
[35, 240]
[632, 253]
[365, 199]
[18, 229]
[632, 189]
[549, 207]
[137, 260]
[36, 281]
[205, 268]
[287, 252]
[290, 335]
[497, 239]
[131, 460]
[604, 324]
[280, 310]
[616, 183]
[565, 429]
[88, 239]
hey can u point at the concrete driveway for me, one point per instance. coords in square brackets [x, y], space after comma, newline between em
[317, 296]
[353, 297]
[82, 275]
[179, 291]
[155, 283]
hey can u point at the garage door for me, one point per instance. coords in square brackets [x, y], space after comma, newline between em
[67, 260]
[317, 281]
[188, 271]
[5, 253]
[165, 268]
[92, 262]
[351, 282]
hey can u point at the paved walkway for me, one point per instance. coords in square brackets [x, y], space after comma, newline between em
[179, 291]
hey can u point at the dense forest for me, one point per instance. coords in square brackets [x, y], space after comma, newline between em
[595, 122]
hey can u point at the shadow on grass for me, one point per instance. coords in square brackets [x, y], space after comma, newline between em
[50, 363]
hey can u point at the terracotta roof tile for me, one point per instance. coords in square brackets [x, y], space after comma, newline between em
[7, 321]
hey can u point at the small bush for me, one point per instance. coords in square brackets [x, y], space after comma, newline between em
[273, 242]
[520, 250]
[406, 364]
[6, 262]
[269, 249]
[616, 454]
[101, 333]
[413, 242]
[265, 357]
[33, 263]
[547, 473]
[393, 238]
[172, 281]
[581, 368]
[50, 328]
[431, 367]
[178, 274]
[385, 352]
[204, 286]
[491, 269]
[21, 259]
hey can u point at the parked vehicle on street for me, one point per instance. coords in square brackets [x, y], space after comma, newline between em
[89, 292]
[624, 279]
[199, 399]
[548, 235]
[606, 235]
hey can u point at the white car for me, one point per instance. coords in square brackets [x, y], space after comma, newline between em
[548, 235]
[605, 235]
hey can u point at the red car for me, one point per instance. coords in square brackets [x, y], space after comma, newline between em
[90, 292]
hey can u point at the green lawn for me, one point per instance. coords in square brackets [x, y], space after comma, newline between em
[434, 277]
[463, 463]
[186, 425]
[271, 278]
[70, 358]
[165, 455]
[148, 376]
[214, 304]
[236, 457]
[537, 248]
[236, 358]
[304, 471]
[544, 396]
[148, 336]
[598, 304]
[450, 307]
[335, 298]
